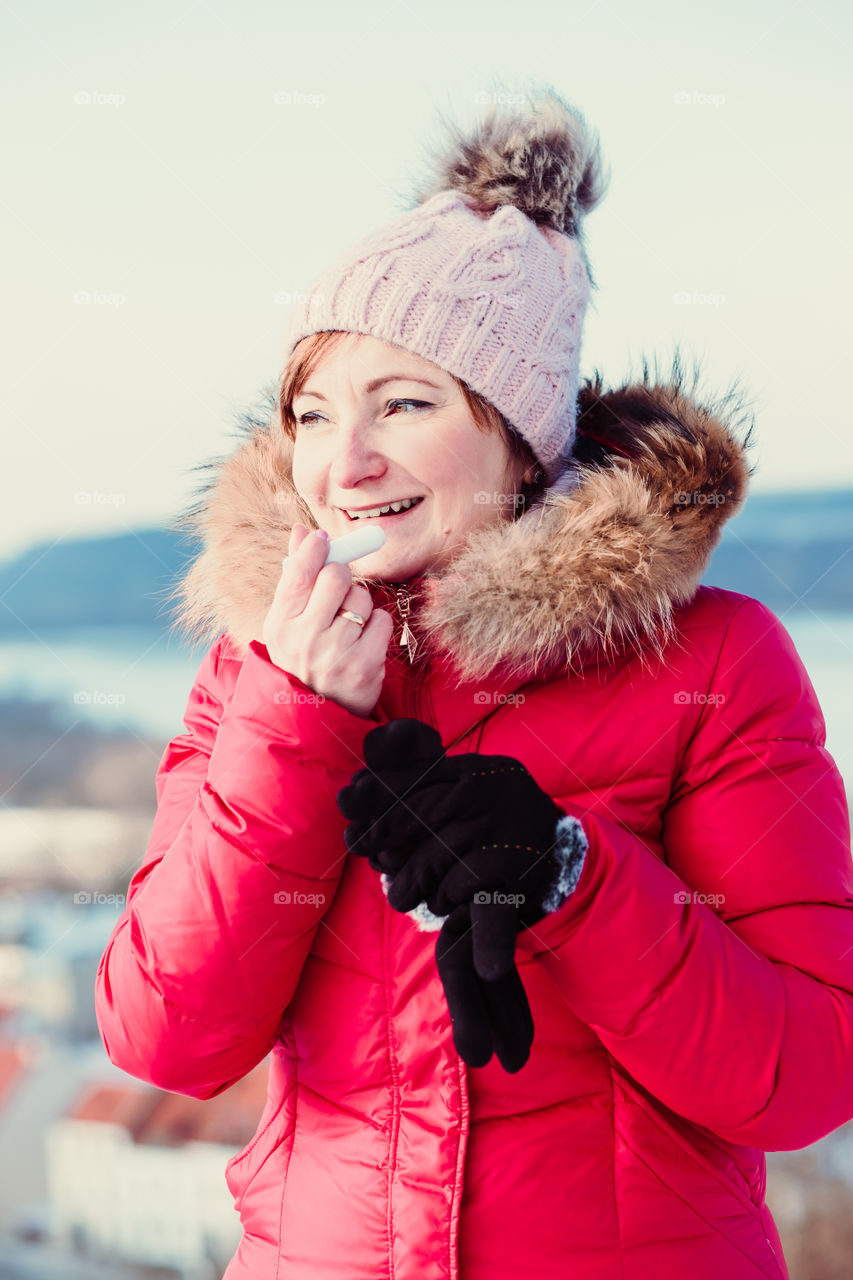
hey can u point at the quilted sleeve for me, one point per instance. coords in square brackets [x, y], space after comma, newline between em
[722, 979]
[243, 861]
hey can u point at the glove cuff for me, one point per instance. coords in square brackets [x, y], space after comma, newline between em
[570, 854]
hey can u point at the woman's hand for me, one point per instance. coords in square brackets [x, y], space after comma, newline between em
[304, 635]
[458, 829]
[483, 846]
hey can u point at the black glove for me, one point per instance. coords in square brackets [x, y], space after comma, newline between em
[488, 1016]
[477, 840]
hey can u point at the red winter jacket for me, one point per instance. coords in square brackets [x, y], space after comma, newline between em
[693, 998]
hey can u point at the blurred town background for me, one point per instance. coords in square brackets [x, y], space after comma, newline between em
[102, 1175]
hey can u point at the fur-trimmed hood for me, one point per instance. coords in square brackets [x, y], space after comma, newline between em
[597, 566]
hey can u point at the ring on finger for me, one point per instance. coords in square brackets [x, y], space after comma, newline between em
[353, 617]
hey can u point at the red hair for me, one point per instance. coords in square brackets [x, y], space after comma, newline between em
[307, 354]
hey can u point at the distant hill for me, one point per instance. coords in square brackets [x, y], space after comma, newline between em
[93, 581]
[789, 550]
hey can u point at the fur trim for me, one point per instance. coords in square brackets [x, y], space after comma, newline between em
[540, 156]
[598, 565]
[570, 851]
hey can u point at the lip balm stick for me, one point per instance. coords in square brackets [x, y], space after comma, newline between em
[353, 545]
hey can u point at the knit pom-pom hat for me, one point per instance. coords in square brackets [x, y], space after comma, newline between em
[487, 275]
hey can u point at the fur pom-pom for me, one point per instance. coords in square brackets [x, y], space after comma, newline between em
[538, 154]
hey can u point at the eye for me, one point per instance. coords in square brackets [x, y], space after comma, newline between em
[420, 404]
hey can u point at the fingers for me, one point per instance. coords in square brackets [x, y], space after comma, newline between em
[477, 872]
[364, 843]
[398, 837]
[486, 1016]
[389, 849]
[403, 744]
[299, 572]
[510, 1019]
[494, 928]
[417, 873]
[358, 599]
[298, 534]
[472, 1032]
[374, 796]
[355, 798]
[389, 796]
[413, 807]
[373, 638]
[354, 835]
[310, 587]
[332, 585]
[384, 828]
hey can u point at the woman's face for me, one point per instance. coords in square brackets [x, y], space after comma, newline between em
[375, 425]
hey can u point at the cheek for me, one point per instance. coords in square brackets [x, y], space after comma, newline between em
[302, 472]
[485, 466]
[296, 465]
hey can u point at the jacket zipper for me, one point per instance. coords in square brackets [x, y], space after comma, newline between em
[411, 704]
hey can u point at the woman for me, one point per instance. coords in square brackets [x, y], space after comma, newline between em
[526, 694]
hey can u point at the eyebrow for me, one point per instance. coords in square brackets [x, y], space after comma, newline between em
[378, 382]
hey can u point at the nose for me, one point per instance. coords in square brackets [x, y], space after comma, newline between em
[355, 460]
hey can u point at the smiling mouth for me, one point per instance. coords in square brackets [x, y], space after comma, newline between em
[386, 512]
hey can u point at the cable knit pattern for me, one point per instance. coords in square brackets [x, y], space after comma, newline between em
[570, 852]
[492, 298]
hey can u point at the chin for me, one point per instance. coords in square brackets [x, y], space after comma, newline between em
[388, 570]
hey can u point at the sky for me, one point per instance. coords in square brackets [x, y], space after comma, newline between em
[173, 173]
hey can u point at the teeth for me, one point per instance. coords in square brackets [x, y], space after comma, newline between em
[381, 511]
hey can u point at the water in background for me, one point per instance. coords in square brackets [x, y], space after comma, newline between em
[142, 678]
[111, 676]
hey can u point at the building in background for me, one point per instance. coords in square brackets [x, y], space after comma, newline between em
[136, 1175]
